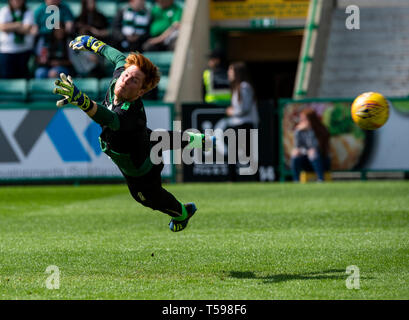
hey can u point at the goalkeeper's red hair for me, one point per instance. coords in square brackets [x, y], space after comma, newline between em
[151, 72]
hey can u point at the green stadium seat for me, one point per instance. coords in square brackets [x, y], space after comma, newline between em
[109, 68]
[90, 86]
[163, 59]
[149, 4]
[108, 9]
[103, 87]
[13, 90]
[33, 5]
[162, 86]
[75, 7]
[41, 89]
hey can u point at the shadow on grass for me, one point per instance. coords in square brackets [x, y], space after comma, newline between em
[333, 274]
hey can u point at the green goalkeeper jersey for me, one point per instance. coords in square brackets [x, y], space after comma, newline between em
[128, 142]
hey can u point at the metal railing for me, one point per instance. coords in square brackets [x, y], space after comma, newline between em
[306, 58]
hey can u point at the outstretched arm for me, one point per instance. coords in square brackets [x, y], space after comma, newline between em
[92, 44]
[116, 57]
[74, 96]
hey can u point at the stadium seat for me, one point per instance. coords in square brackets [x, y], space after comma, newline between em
[90, 86]
[149, 3]
[162, 59]
[306, 176]
[108, 9]
[109, 67]
[41, 89]
[13, 90]
[34, 4]
[75, 7]
[123, 4]
[103, 87]
[162, 86]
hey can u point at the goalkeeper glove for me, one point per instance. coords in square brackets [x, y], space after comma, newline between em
[71, 93]
[82, 43]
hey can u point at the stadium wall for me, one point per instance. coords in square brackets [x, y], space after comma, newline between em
[41, 143]
[313, 49]
[379, 153]
[190, 57]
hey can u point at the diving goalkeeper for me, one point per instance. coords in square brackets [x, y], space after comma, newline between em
[125, 137]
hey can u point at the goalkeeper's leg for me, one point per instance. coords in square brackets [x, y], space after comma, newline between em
[148, 191]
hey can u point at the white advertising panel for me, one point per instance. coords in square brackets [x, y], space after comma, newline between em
[61, 143]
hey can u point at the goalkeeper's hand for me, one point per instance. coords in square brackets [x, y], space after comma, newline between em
[71, 94]
[82, 43]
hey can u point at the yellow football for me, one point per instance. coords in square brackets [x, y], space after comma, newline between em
[370, 110]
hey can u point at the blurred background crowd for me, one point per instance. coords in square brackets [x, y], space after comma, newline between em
[29, 48]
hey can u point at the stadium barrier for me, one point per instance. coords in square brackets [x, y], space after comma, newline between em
[42, 143]
[355, 153]
[203, 116]
[22, 90]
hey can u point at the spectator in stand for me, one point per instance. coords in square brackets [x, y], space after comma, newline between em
[16, 39]
[54, 60]
[311, 141]
[42, 18]
[164, 29]
[131, 26]
[90, 22]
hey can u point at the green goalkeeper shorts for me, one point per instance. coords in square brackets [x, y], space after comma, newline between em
[125, 163]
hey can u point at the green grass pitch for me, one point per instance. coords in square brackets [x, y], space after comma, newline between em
[246, 241]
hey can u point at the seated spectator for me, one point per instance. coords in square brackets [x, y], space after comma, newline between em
[164, 29]
[90, 22]
[54, 59]
[311, 141]
[131, 26]
[43, 18]
[16, 39]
